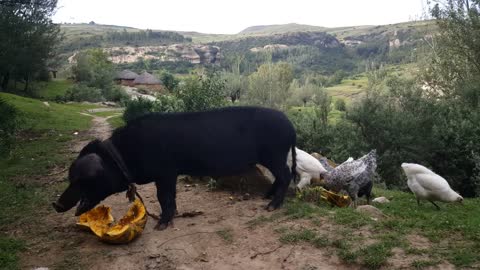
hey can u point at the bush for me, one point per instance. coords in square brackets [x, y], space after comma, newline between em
[202, 93]
[141, 106]
[82, 92]
[137, 108]
[115, 93]
[9, 118]
[340, 105]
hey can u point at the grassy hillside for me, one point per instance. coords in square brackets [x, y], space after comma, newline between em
[83, 30]
[278, 29]
[45, 132]
[407, 236]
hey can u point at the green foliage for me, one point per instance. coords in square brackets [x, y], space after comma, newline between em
[137, 108]
[116, 121]
[81, 36]
[82, 92]
[8, 252]
[169, 81]
[340, 105]
[29, 38]
[115, 93]
[53, 90]
[269, 86]
[94, 74]
[9, 118]
[141, 106]
[43, 129]
[177, 67]
[235, 85]
[93, 68]
[200, 93]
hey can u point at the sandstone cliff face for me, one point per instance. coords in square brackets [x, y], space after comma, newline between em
[195, 54]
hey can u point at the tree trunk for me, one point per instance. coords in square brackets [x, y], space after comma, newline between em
[6, 78]
[26, 84]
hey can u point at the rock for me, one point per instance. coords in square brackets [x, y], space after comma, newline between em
[246, 196]
[371, 211]
[381, 200]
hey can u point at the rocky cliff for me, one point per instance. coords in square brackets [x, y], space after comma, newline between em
[195, 54]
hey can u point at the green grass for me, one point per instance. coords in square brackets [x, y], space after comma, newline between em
[453, 232]
[116, 121]
[226, 235]
[349, 89]
[44, 133]
[50, 90]
[9, 249]
[118, 112]
[59, 117]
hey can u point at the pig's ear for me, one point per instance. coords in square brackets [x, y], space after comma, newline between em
[86, 167]
[91, 147]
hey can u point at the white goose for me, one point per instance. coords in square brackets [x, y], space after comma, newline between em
[428, 185]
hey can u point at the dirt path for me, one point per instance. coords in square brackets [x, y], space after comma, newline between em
[221, 238]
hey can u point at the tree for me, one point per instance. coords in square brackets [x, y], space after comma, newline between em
[201, 93]
[454, 68]
[93, 68]
[340, 105]
[235, 85]
[28, 37]
[269, 85]
[168, 80]
[322, 103]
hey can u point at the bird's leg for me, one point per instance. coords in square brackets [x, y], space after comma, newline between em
[418, 201]
[438, 208]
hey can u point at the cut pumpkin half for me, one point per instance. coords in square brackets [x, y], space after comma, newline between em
[99, 221]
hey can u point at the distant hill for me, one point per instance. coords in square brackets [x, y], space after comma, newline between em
[279, 29]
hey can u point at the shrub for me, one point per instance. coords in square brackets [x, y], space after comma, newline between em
[340, 105]
[9, 117]
[82, 92]
[141, 106]
[114, 93]
[137, 108]
[202, 93]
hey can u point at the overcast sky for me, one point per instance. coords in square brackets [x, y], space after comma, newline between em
[229, 17]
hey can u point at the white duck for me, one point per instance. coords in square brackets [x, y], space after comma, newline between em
[428, 185]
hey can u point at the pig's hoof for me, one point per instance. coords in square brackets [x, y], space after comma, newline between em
[161, 226]
[270, 207]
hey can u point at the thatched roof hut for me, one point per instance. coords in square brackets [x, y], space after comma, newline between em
[146, 79]
[126, 75]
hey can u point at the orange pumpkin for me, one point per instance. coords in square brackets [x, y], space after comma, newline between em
[99, 221]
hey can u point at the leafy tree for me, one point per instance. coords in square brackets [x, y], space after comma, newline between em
[270, 85]
[235, 85]
[201, 93]
[322, 103]
[455, 54]
[93, 68]
[168, 80]
[340, 105]
[28, 39]
[141, 106]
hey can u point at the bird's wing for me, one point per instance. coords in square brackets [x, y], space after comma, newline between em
[432, 182]
[309, 164]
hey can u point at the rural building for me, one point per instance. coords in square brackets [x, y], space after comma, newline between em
[126, 77]
[148, 81]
